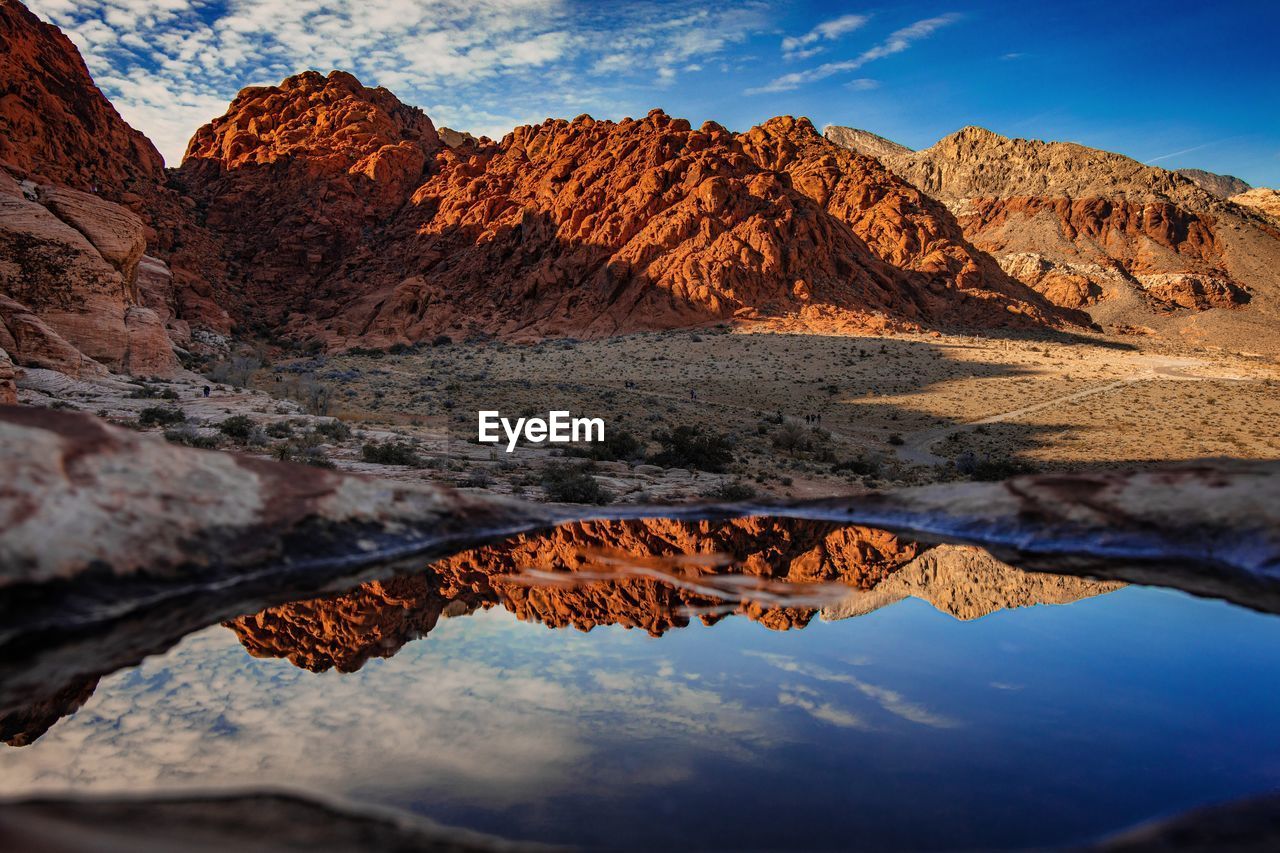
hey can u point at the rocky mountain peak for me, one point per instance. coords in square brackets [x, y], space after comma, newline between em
[865, 142]
[1222, 186]
[56, 126]
[332, 119]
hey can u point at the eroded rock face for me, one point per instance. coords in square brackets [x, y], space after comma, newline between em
[1127, 242]
[35, 344]
[8, 386]
[1222, 186]
[68, 271]
[1263, 200]
[116, 232]
[293, 177]
[149, 351]
[591, 228]
[55, 125]
[1091, 228]
[864, 142]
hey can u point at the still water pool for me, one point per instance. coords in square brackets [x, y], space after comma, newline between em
[1015, 710]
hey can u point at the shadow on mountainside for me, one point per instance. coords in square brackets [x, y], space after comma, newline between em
[348, 258]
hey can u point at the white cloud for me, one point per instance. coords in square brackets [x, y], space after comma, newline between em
[889, 700]
[897, 42]
[802, 47]
[475, 711]
[171, 65]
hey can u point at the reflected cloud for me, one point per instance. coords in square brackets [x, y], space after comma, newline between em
[889, 700]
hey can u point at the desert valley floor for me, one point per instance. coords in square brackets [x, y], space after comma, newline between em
[906, 409]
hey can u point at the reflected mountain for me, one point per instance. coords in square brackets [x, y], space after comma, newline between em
[24, 726]
[655, 575]
[968, 583]
[650, 574]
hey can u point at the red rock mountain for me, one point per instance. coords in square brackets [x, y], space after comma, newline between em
[82, 197]
[332, 212]
[294, 177]
[56, 127]
[586, 576]
[344, 208]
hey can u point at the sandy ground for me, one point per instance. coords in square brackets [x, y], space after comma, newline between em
[904, 409]
[896, 410]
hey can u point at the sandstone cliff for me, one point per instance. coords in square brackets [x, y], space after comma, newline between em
[1262, 200]
[69, 297]
[864, 142]
[583, 228]
[55, 125]
[8, 388]
[294, 177]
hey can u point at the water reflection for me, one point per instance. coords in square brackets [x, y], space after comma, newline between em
[655, 575]
[650, 574]
[920, 705]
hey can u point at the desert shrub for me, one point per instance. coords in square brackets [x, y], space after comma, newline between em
[307, 454]
[400, 349]
[896, 440]
[188, 435]
[860, 465]
[313, 394]
[279, 429]
[734, 491]
[790, 437]
[988, 470]
[573, 484]
[334, 430]
[794, 439]
[441, 341]
[161, 416]
[391, 453]
[692, 447]
[618, 444]
[476, 478]
[237, 428]
[237, 371]
[151, 392]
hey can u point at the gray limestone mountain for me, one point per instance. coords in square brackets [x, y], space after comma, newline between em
[1137, 246]
[967, 583]
[1223, 186]
[865, 142]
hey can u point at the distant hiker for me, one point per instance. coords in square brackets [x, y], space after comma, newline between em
[206, 390]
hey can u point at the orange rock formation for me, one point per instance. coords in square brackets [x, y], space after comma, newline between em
[376, 619]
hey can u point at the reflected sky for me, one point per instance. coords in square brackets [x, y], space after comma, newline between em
[900, 728]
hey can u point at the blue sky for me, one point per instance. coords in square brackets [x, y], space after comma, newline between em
[1171, 83]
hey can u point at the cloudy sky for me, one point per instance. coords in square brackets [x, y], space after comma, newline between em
[1170, 82]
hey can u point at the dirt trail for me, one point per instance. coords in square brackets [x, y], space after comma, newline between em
[916, 449]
